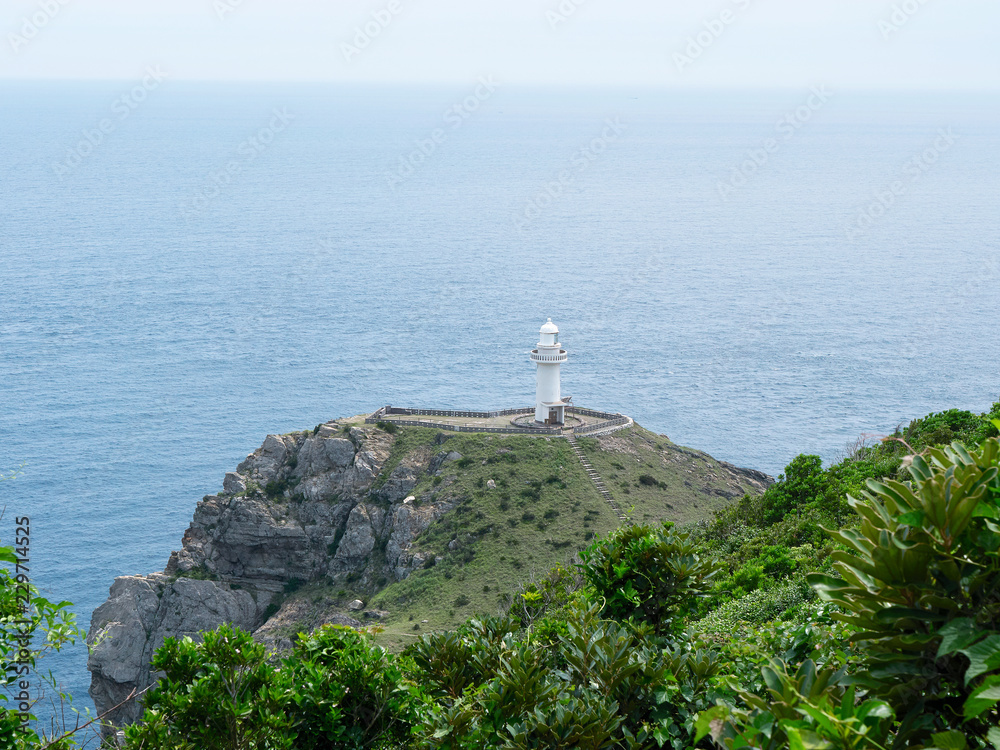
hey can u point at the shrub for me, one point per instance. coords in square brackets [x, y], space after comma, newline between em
[919, 583]
[31, 628]
[655, 575]
[273, 607]
[757, 608]
[532, 494]
[335, 690]
[217, 695]
[348, 693]
[274, 488]
[497, 691]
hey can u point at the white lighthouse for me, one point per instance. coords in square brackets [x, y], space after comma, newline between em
[550, 406]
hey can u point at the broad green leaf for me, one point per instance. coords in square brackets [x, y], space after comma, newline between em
[876, 709]
[983, 698]
[986, 510]
[953, 740]
[983, 657]
[913, 518]
[892, 614]
[804, 740]
[957, 635]
[706, 720]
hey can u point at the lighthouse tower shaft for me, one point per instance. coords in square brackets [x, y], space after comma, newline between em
[547, 388]
[548, 356]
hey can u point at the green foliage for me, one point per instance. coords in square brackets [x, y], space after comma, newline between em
[807, 708]
[594, 684]
[335, 691]
[347, 693]
[389, 427]
[275, 488]
[758, 607]
[919, 581]
[658, 638]
[449, 663]
[793, 512]
[218, 695]
[654, 575]
[803, 482]
[27, 635]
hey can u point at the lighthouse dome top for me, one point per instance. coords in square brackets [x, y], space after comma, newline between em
[550, 327]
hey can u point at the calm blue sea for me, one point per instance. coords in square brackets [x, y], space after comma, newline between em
[230, 261]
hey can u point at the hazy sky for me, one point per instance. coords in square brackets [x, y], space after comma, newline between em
[938, 44]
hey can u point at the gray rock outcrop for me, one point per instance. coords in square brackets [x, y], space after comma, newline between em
[301, 508]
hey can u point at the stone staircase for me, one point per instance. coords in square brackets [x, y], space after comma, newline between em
[596, 479]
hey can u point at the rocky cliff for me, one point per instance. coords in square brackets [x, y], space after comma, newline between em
[313, 523]
[299, 508]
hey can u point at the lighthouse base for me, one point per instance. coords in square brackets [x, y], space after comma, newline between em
[528, 421]
[577, 420]
[550, 415]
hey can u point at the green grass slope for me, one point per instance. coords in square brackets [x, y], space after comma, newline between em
[651, 478]
[543, 510]
[540, 511]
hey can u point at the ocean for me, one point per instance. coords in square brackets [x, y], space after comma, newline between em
[185, 268]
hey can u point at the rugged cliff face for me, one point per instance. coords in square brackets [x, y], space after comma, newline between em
[312, 521]
[300, 508]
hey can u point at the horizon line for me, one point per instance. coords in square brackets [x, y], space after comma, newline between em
[651, 87]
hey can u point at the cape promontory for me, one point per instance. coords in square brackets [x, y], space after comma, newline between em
[413, 527]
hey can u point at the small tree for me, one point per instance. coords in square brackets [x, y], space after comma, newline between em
[218, 695]
[348, 693]
[654, 575]
[335, 691]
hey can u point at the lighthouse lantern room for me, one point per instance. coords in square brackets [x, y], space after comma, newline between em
[550, 405]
